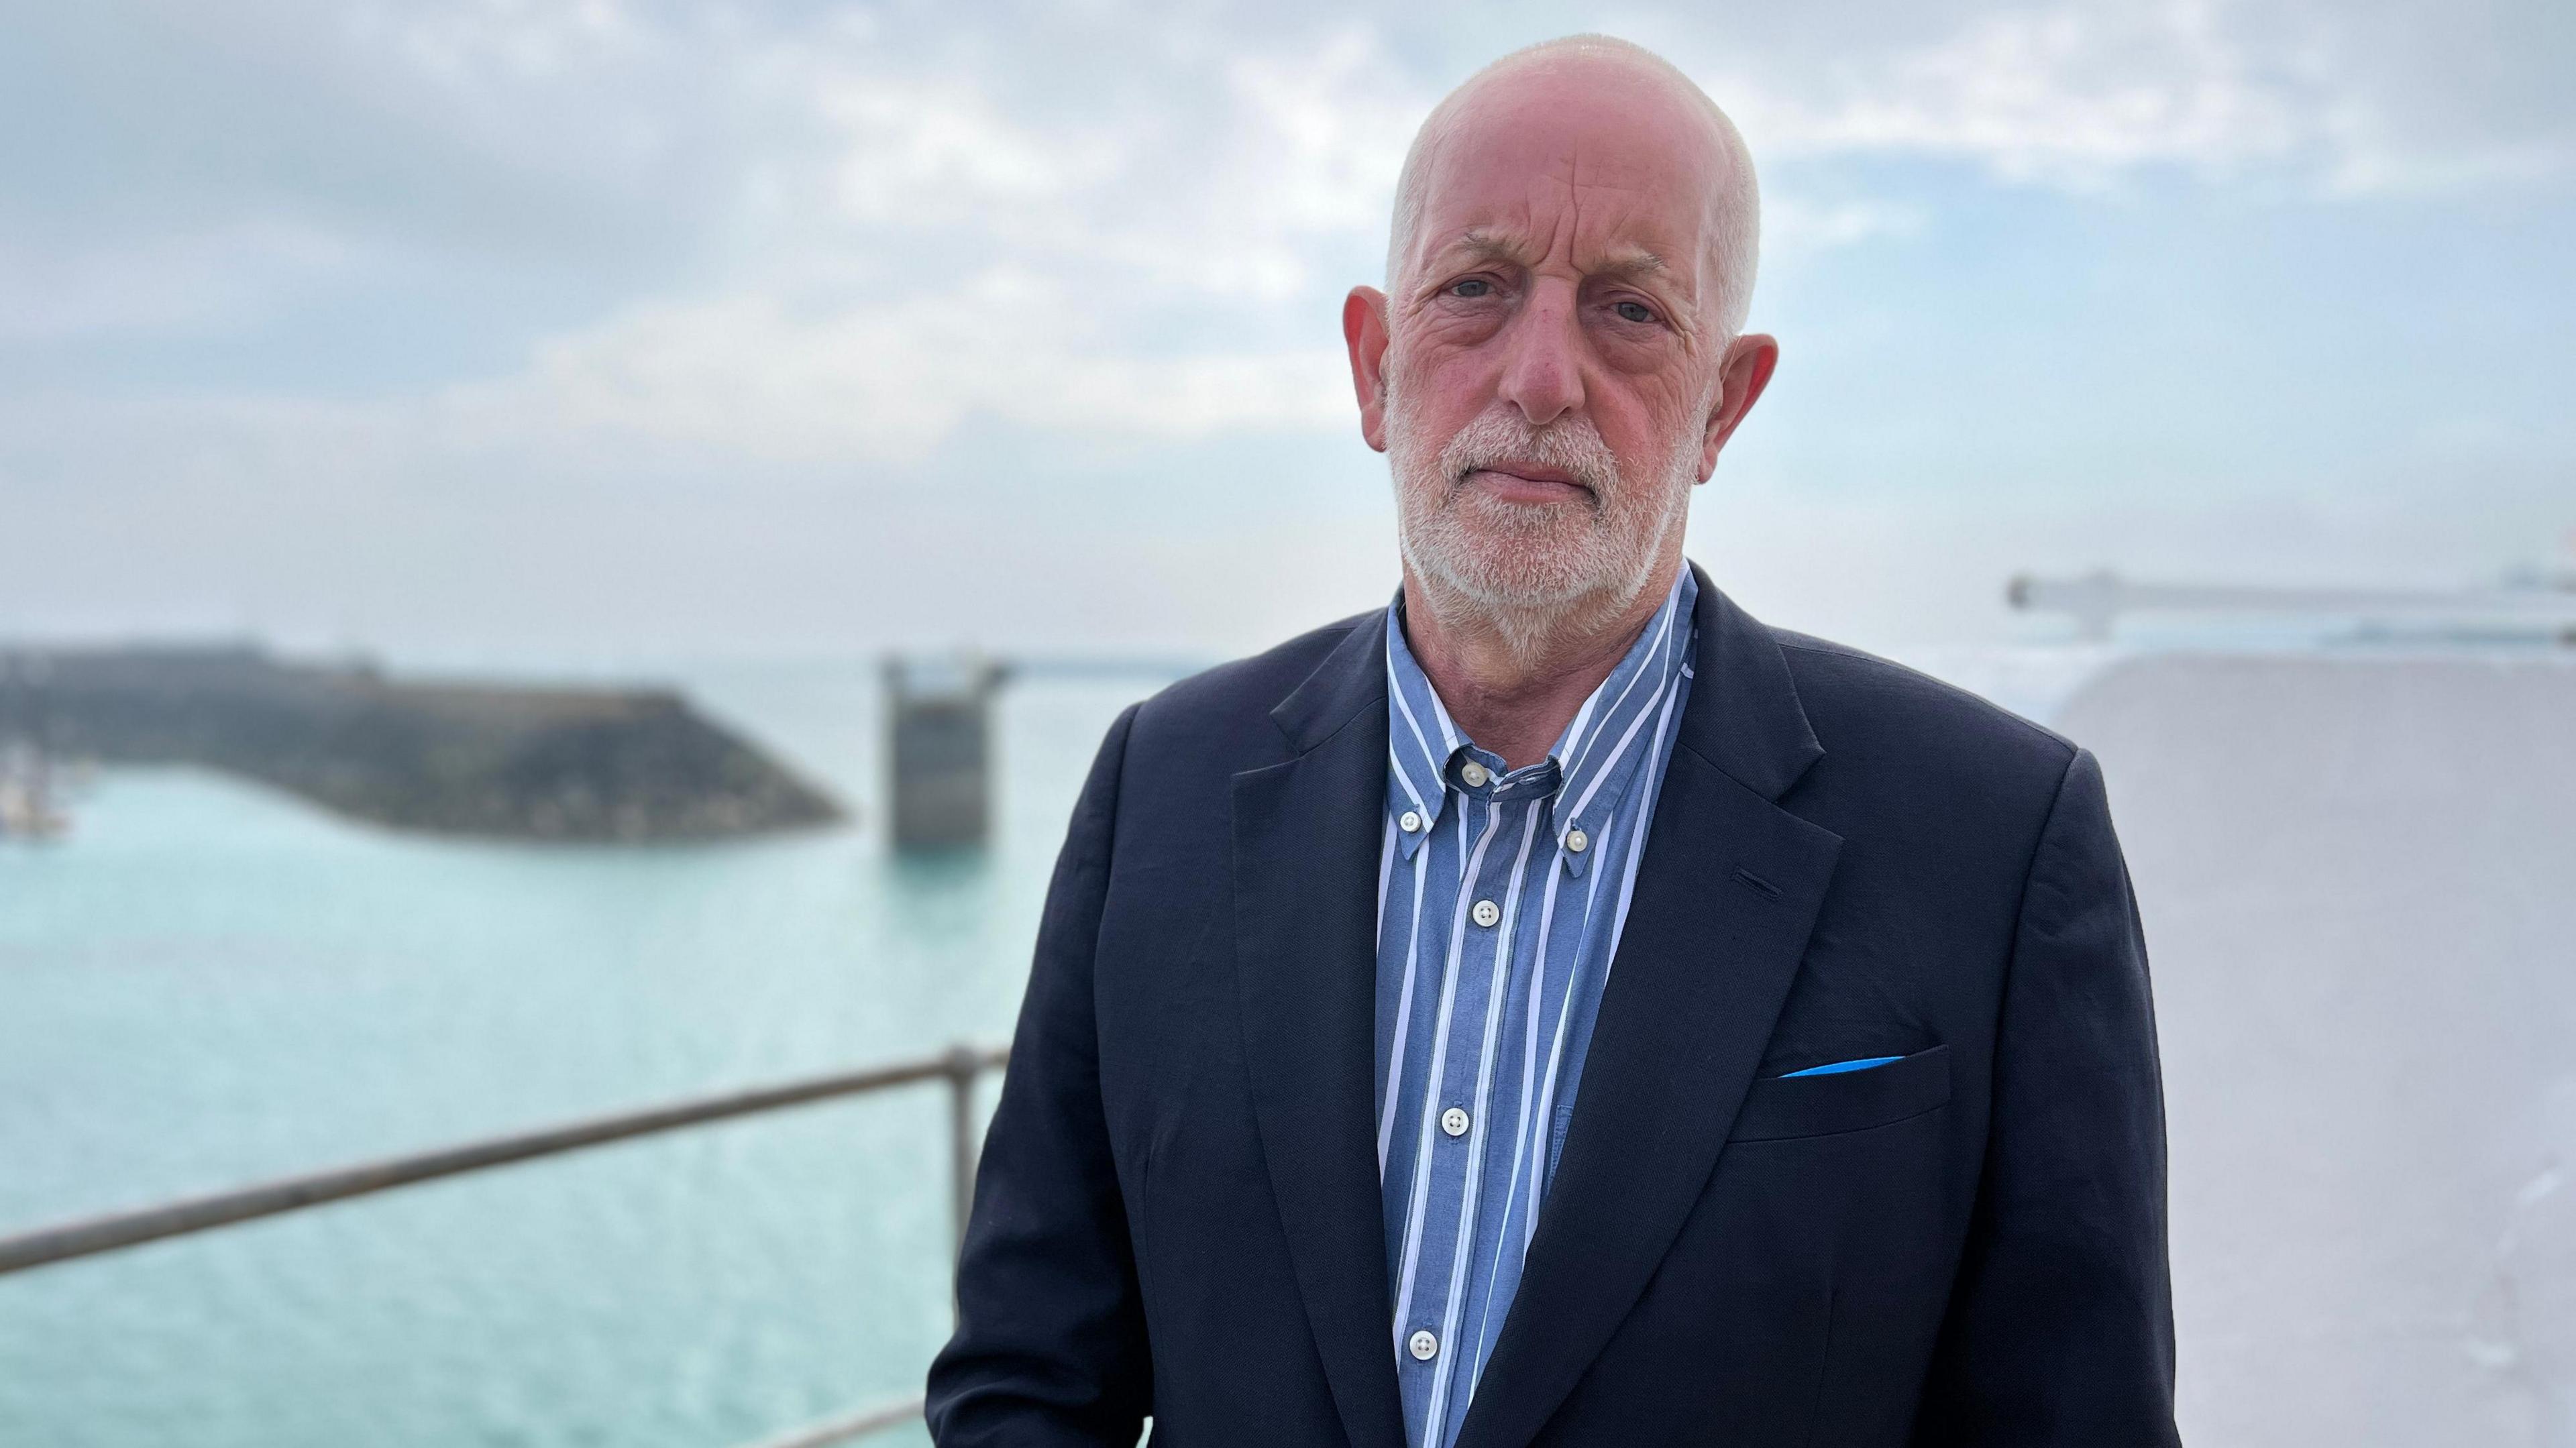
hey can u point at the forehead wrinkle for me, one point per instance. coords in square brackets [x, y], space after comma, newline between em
[1565, 173]
[1620, 258]
[1627, 259]
[1578, 185]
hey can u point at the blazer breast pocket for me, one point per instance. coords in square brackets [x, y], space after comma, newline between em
[1780, 1108]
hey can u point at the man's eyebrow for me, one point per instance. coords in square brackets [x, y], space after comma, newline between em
[1484, 244]
[1638, 262]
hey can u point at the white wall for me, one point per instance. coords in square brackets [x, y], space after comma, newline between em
[2358, 876]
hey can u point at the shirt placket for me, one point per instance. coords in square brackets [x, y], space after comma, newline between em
[1440, 1163]
[1472, 1084]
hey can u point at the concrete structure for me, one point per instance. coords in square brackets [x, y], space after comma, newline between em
[939, 750]
[493, 760]
[941, 747]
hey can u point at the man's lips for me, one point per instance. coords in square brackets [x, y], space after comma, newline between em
[1528, 483]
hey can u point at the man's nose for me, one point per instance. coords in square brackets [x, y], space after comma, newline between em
[1542, 366]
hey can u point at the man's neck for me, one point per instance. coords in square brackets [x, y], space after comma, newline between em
[1515, 695]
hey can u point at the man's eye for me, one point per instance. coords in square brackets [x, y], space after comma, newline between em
[1635, 312]
[1471, 287]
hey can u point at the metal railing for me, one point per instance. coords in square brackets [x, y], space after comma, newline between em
[960, 1066]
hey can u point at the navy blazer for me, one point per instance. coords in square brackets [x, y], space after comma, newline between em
[1177, 1215]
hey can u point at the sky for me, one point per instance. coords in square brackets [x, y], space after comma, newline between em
[584, 327]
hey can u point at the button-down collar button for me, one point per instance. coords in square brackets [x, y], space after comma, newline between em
[1411, 822]
[1486, 912]
[1454, 1121]
[1422, 1345]
[1575, 840]
[1475, 774]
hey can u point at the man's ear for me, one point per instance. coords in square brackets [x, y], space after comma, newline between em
[1364, 330]
[1741, 375]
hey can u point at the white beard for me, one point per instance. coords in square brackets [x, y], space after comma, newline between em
[1531, 569]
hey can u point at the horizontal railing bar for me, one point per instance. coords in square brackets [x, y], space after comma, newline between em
[856, 1425]
[87, 1238]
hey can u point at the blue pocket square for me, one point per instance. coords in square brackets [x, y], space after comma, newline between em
[1838, 1067]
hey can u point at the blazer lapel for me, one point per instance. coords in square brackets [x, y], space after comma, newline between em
[1306, 843]
[1726, 895]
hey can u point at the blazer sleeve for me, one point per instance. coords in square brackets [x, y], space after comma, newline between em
[1050, 1343]
[2060, 1326]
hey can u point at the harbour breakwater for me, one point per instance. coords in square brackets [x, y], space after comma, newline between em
[452, 758]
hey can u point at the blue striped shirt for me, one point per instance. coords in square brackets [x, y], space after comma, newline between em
[1501, 896]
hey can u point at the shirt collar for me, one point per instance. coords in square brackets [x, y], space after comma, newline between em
[1420, 738]
[1617, 727]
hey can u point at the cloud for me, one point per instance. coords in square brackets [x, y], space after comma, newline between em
[227, 276]
[916, 152]
[2070, 95]
[582, 282]
[890, 382]
[2082, 97]
[1324, 134]
[936, 257]
[1794, 223]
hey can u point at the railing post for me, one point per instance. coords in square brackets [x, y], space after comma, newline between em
[963, 1068]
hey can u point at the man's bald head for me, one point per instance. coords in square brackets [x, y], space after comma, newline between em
[1559, 354]
[1599, 64]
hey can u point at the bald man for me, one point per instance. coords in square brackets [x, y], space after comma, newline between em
[1557, 1008]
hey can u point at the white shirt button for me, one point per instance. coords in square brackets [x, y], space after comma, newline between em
[1422, 1345]
[1485, 912]
[1475, 774]
[1454, 1121]
[1575, 840]
[1411, 822]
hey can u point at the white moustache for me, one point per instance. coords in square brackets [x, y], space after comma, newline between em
[1493, 440]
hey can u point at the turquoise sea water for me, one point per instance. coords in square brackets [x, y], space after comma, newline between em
[209, 984]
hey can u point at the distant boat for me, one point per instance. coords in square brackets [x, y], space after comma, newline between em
[28, 808]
